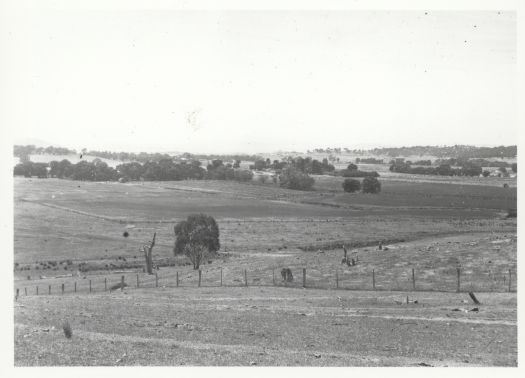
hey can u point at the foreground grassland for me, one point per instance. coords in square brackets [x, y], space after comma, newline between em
[61, 227]
[266, 326]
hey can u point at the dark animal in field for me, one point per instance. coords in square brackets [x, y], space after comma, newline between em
[349, 262]
[287, 275]
[120, 285]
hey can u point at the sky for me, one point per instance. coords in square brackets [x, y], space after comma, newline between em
[260, 81]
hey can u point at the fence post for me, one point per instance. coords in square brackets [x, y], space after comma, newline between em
[122, 283]
[221, 276]
[90, 286]
[62, 288]
[177, 277]
[459, 282]
[413, 279]
[105, 284]
[200, 275]
[17, 292]
[37, 290]
[156, 279]
[510, 279]
[373, 279]
[137, 280]
[245, 278]
[25, 291]
[75, 286]
[273, 276]
[49, 289]
[337, 279]
[304, 277]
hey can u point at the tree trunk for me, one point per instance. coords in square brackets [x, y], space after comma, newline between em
[148, 255]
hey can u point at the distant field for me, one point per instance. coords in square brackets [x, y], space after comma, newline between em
[436, 194]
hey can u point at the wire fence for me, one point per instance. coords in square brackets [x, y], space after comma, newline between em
[440, 279]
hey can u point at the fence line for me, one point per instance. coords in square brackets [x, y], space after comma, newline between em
[449, 280]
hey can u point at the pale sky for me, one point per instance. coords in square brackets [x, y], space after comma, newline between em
[261, 81]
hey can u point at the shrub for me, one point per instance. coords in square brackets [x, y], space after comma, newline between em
[351, 185]
[371, 185]
[68, 332]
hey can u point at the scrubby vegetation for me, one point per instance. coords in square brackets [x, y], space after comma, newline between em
[351, 185]
[371, 185]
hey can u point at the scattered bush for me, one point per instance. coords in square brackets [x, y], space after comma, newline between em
[68, 332]
[371, 185]
[351, 185]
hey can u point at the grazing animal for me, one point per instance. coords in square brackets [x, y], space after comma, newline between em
[287, 275]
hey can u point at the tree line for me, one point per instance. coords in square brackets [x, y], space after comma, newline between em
[457, 151]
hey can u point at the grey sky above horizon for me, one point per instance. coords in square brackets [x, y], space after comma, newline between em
[260, 81]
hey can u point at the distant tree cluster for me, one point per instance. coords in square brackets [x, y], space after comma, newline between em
[441, 170]
[23, 152]
[423, 162]
[163, 170]
[30, 169]
[305, 165]
[292, 178]
[368, 161]
[353, 171]
[457, 151]
[226, 157]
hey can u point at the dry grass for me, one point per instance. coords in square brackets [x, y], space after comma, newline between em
[267, 326]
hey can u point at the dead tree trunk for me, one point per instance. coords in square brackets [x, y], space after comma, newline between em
[148, 254]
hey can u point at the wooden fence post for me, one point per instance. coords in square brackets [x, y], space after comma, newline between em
[304, 277]
[90, 286]
[200, 275]
[105, 284]
[177, 278]
[37, 290]
[122, 283]
[221, 276]
[510, 279]
[62, 288]
[17, 293]
[413, 279]
[137, 280]
[245, 278]
[75, 286]
[373, 279]
[337, 279]
[156, 279]
[459, 282]
[49, 289]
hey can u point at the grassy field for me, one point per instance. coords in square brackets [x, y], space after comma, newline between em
[265, 326]
[61, 227]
